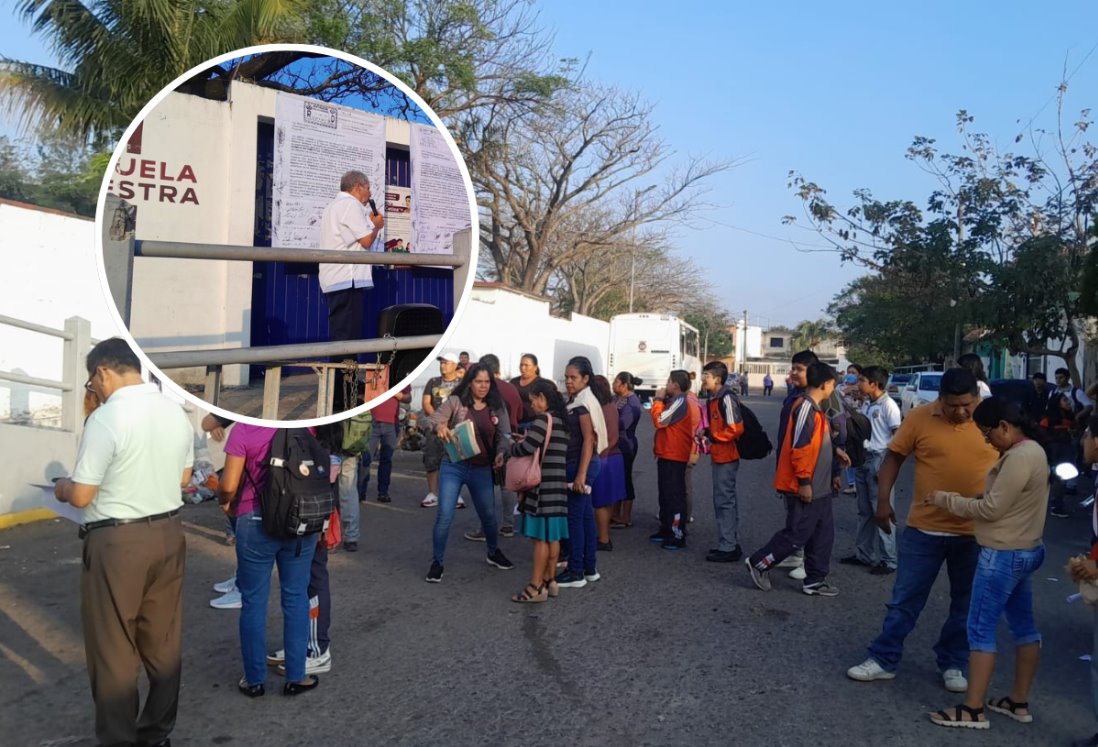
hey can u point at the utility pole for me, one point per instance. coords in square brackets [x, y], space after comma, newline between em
[960, 241]
[743, 362]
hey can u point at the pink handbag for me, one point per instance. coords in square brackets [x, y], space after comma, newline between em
[524, 473]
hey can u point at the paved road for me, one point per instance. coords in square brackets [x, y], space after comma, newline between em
[666, 649]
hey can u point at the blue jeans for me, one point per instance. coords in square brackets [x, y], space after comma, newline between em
[583, 536]
[1001, 586]
[384, 439]
[921, 557]
[451, 478]
[256, 553]
[871, 545]
[724, 505]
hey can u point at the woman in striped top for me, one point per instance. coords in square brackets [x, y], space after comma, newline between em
[545, 509]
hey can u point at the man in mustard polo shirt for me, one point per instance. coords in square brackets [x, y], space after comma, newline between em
[950, 454]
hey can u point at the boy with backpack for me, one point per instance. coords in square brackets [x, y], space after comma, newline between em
[725, 425]
[807, 479]
[872, 547]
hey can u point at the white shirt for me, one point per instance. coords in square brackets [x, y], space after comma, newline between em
[983, 388]
[884, 418]
[343, 223]
[135, 448]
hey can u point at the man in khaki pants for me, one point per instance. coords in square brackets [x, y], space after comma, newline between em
[135, 454]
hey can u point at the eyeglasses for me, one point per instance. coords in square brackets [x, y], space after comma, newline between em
[88, 384]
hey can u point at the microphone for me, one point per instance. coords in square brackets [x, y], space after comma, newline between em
[373, 206]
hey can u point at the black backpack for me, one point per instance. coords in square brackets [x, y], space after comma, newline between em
[753, 443]
[297, 499]
[858, 430]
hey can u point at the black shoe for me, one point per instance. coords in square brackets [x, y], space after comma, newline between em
[725, 556]
[350, 546]
[434, 576]
[499, 560]
[1059, 513]
[252, 691]
[296, 688]
[362, 499]
[384, 498]
[674, 543]
[604, 546]
[659, 537]
[881, 570]
[852, 560]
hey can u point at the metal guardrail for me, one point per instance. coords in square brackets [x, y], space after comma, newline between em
[77, 341]
[120, 248]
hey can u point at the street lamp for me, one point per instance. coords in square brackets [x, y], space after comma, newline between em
[633, 262]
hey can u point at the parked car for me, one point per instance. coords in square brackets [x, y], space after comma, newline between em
[896, 384]
[921, 389]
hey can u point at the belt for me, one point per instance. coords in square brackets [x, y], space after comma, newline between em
[120, 522]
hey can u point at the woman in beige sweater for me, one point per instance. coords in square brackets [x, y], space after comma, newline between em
[1009, 519]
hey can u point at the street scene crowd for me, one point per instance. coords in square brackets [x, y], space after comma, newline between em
[561, 464]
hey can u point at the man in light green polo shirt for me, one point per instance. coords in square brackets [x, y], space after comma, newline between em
[135, 455]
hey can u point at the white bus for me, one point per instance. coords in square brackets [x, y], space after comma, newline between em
[651, 346]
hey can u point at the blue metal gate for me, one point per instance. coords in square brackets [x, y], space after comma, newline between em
[287, 305]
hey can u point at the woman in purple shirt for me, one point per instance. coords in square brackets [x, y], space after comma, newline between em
[629, 412]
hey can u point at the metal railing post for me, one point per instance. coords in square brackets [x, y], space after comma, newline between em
[272, 386]
[77, 345]
[118, 249]
[212, 391]
[463, 249]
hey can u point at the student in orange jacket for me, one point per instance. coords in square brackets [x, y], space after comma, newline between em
[807, 479]
[725, 428]
[676, 419]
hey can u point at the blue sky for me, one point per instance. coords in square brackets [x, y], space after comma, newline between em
[833, 91]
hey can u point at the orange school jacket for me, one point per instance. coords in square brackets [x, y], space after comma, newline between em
[675, 423]
[806, 457]
[725, 426]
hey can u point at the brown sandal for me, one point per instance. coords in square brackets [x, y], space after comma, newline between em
[540, 594]
[552, 588]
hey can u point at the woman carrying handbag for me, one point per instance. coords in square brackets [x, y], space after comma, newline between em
[544, 507]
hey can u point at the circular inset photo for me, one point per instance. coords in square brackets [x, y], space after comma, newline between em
[287, 233]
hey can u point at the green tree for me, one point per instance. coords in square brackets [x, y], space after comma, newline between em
[1010, 234]
[808, 334]
[116, 55]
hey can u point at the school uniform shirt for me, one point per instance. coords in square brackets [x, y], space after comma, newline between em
[807, 457]
[884, 419]
[725, 426]
[342, 224]
[675, 423]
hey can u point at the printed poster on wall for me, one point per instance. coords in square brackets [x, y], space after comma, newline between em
[315, 144]
[398, 218]
[440, 207]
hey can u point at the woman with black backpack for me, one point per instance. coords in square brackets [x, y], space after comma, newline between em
[246, 468]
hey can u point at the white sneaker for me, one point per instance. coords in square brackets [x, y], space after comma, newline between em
[430, 501]
[313, 664]
[792, 561]
[228, 601]
[592, 576]
[461, 502]
[224, 587]
[868, 671]
[954, 681]
[798, 573]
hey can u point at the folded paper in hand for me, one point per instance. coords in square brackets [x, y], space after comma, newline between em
[463, 442]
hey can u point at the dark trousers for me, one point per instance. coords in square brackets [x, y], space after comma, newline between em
[345, 322]
[629, 458]
[320, 603]
[807, 525]
[671, 480]
[131, 609]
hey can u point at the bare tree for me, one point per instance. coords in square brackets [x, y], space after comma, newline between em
[559, 184]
